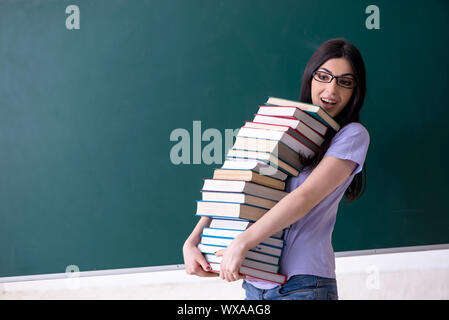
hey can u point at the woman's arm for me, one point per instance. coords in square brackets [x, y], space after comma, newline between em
[195, 236]
[327, 176]
[194, 261]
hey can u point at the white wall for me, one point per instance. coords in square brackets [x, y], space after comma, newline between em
[405, 275]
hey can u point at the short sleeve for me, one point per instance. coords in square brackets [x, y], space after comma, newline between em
[350, 143]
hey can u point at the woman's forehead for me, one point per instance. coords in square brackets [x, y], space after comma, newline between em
[337, 66]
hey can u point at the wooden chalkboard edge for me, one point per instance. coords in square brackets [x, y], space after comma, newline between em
[390, 250]
[181, 266]
[91, 273]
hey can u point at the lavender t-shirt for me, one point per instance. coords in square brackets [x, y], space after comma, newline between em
[308, 248]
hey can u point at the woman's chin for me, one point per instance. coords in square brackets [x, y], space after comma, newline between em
[329, 109]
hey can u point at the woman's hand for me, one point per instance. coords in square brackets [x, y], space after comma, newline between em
[232, 259]
[195, 263]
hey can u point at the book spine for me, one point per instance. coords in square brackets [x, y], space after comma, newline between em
[223, 241]
[259, 256]
[255, 273]
[326, 120]
[231, 234]
[246, 262]
[297, 113]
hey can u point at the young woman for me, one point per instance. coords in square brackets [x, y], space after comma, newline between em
[334, 78]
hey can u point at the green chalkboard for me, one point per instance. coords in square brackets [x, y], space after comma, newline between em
[86, 116]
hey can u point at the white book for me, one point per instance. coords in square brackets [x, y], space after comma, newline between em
[204, 248]
[239, 197]
[282, 136]
[230, 224]
[294, 123]
[299, 114]
[243, 186]
[264, 156]
[255, 165]
[261, 247]
[256, 273]
[287, 129]
[232, 233]
[274, 147]
[310, 108]
[246, 262]
[237, 225]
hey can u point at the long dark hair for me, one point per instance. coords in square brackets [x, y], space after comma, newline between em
[338, 48]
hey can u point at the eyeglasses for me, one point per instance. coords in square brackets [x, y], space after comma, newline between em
[342, 81]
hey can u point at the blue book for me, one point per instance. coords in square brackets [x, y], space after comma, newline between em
[231, 234]
[259, 256]
[236, 224]
[222, 241]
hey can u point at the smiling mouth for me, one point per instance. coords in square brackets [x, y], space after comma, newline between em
[328, 102]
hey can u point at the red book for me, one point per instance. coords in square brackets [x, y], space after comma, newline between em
[296, 124]
[292, 132]
[289, 111]
[255, 273]
[314, 110]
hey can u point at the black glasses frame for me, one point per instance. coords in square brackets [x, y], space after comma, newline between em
[332, 78]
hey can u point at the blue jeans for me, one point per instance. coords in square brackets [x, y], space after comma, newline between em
[299, 287]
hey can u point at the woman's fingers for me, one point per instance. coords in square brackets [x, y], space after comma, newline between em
[228, 271]
[204, 264]
[196, 264]
[230, 275]
[198, 270]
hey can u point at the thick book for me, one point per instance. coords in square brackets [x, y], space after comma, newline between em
[229, 209]
[256, 273]
[287, 135]
[228, 185]
[296, 124]
[237, 224]
[261, 247]
[230, 233]
[237, 197]
[314, 110]
[270, 158]
[246, 262]
[248, 175]
[258, 166]
[258, 256]
[297, 113]
[278, 148]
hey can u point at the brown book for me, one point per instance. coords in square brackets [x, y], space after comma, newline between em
[297, 113]
[303, 145]
[278, 148]
[296, 124]
[236, 186]
[248, 175]
[229, 209]
[313, 110]
[267, 157]
[238, 197]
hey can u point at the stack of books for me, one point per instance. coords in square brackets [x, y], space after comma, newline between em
[252, 180]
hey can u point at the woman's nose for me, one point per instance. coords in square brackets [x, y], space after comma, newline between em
[332, 86]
